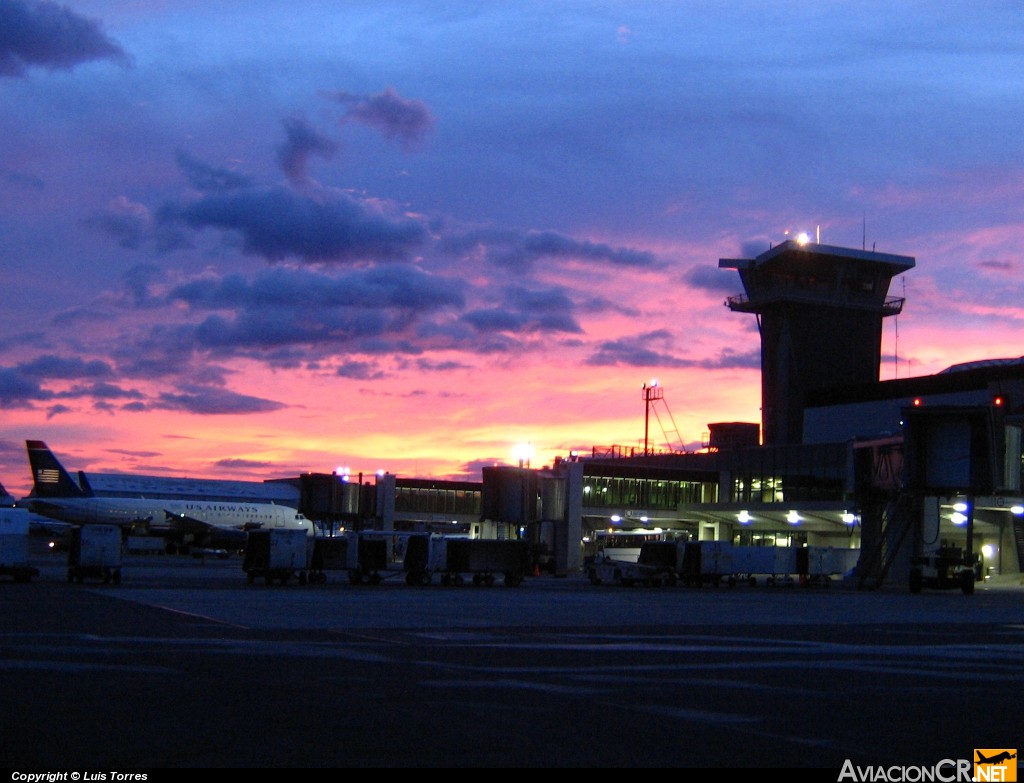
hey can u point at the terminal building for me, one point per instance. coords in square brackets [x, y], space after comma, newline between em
[901, 470]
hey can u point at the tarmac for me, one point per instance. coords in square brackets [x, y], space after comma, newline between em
[185, 664]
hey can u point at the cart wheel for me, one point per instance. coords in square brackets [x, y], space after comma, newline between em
[268, 579]
[251, 577]
[967, 582]
[512, 579]
[477, 579]
[458, 581]
[446, 579]
[117, 577]
[752, 581]
[424, 579]
[411, 579]
[302, 578]
[489, 580]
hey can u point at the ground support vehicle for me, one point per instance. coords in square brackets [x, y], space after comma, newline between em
[707, 563]
[362, 556]
[278, 555]
[772, 565]
[946, 567]
[658, 563]
[454, 559]
[96, 552]
[14, 533]
[825, 562]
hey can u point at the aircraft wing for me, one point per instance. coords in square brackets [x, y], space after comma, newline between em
[205, 534]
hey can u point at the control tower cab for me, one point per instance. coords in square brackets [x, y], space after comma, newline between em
[819, 312]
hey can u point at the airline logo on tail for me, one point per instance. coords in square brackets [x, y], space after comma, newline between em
[50, 479]
[995, 764]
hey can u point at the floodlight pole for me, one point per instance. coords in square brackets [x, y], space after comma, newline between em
[650, 393]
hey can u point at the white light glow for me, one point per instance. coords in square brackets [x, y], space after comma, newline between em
[987, 551]
[960, 506]
[802, 238]
[744, 518]
[792, 517]
[1017, 510]
[849, 518]
[957, 518]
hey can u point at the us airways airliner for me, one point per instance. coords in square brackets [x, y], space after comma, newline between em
[202, 521]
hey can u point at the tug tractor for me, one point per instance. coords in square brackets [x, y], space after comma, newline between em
[945, 568]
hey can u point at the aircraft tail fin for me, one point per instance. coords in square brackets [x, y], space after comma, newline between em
[49, 478]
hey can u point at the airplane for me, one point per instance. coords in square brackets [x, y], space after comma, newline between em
[6, 498]
[1004, 756]
[205, 522]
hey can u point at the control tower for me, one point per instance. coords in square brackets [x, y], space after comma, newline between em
[819, 311]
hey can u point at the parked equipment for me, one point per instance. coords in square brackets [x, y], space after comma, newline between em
[658, 563]
[96, 552]
[454, 559]
[946, 567]
[278, 555]
[14, 532]
[363, 556]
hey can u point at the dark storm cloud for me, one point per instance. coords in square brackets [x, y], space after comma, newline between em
[302, 141]
[107, 391]
[397, 117]
[132, 226]
[214, 401]
[397, 285]
[639, 351]
[527, 310]
[729, 359]
[276, 223]
[208, 178]
[138, 282]
[648, 350]
[17, 390]
[247, 464]
[361, 371]
[47, 35]
[519, 251]
[304, 309]
[50, 366]
[711, 278]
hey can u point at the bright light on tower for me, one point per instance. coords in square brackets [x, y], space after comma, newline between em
[523, 453]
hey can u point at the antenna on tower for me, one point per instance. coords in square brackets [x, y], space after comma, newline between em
[864, 233]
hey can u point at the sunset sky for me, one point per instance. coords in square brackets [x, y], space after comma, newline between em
[248, 240]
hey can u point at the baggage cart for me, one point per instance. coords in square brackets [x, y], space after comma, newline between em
[96, 552]
[456, 558]
[14, 532]
[278, 555]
